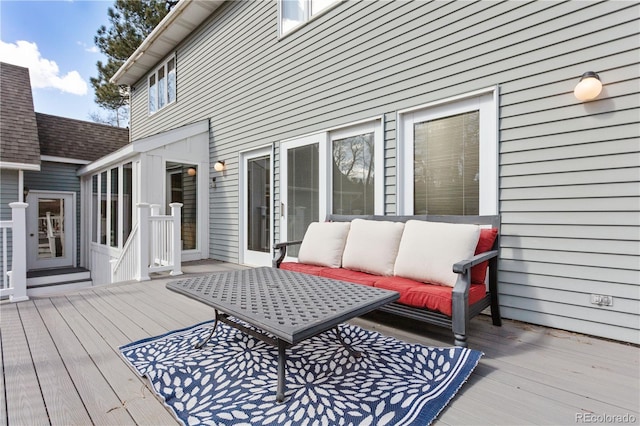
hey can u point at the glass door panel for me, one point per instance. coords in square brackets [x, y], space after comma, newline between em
[50, 240]
[256, 232]
[303, 191]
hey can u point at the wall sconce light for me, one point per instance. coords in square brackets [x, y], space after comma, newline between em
[219, 166]
[25, 192]
[589, 86]
[191, 171]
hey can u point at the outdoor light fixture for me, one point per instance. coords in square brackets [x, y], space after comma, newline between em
[219, 166]
[25, 192]
[191, 171]
[589, 86]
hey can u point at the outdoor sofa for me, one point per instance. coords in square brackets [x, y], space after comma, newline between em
[444, 267]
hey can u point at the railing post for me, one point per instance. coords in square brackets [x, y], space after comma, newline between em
[176, 239]
[18, 279]
[142, 274]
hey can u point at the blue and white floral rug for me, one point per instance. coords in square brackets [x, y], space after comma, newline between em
[232, 379]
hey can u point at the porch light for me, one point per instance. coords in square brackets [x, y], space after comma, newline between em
[589, 86]
[25, 192]
[219, 166]
[191, 171]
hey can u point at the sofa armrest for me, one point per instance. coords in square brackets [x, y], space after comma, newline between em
[464, 265]
[280, 251]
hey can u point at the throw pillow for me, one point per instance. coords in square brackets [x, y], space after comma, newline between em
[372, 246]
[428, 250]
[323, 244]
[485, 243]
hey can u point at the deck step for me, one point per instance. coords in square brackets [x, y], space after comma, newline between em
[57, 276]
[52, 289]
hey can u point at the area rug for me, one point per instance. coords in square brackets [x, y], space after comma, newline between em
[232, 379]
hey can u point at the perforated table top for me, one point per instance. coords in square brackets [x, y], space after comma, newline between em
[290, 305]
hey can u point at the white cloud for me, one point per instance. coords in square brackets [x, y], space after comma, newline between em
[44, 72]
[87, 48]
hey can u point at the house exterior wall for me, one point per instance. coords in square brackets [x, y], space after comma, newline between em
[568, 171]
[8, 194]
[58, 177]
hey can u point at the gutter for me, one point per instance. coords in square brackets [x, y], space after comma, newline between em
[151, 38]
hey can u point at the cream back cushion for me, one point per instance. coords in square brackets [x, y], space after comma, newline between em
[372, 246]
[323, 244]
[428, 250]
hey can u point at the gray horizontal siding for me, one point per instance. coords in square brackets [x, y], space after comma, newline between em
[58, 177]
[568, 171]
[8, 194]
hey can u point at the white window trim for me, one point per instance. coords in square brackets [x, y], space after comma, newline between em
[307, 18]
[486, 100]
[164, 64]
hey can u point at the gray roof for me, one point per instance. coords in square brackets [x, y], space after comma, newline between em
[18, 129]
[76, 139]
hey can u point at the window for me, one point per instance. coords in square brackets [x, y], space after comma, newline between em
[338, 171]
[112, 206]
[294, 13]
[162, 86]
[353, 174]
[449, 154]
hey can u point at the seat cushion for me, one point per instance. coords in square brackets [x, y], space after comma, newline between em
[430, 296]
[428, 250]
[343, 274]
[302, 267]
[323, 244]
[485, 243]
[399, 284]
[438, 297]
[372, 246]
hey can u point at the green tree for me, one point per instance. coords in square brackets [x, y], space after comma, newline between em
[130, 21]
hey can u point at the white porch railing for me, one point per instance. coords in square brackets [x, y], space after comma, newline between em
[126, 266]
[153, 246]
[14, 282]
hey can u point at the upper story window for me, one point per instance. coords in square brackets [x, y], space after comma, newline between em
[293, 13]
[162, 86]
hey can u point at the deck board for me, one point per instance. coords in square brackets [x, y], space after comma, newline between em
[61, 365]
[63, 403]
[24, 401]
[101, 402]
[103, 348]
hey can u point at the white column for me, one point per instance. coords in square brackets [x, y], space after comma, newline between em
[142, 274]
[19, 252]
[176, 239]
[155, 209]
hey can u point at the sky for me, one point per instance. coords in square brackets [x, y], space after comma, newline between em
[54, 39]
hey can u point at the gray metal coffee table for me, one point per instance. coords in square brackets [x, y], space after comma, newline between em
[286, 307]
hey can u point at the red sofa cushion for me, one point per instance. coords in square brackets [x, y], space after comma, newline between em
[350, 276]
[485, 242]
[302, 267]
[399, 284]
[430, 296]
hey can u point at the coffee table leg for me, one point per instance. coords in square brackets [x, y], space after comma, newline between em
[213, 330]
[282, 362]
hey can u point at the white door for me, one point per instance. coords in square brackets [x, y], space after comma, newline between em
[50, 230]
[303, 192]
[257, 218]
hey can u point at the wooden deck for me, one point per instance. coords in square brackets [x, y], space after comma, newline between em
[61, 366]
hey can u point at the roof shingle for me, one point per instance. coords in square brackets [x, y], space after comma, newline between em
[76, 139]
[18, 128]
